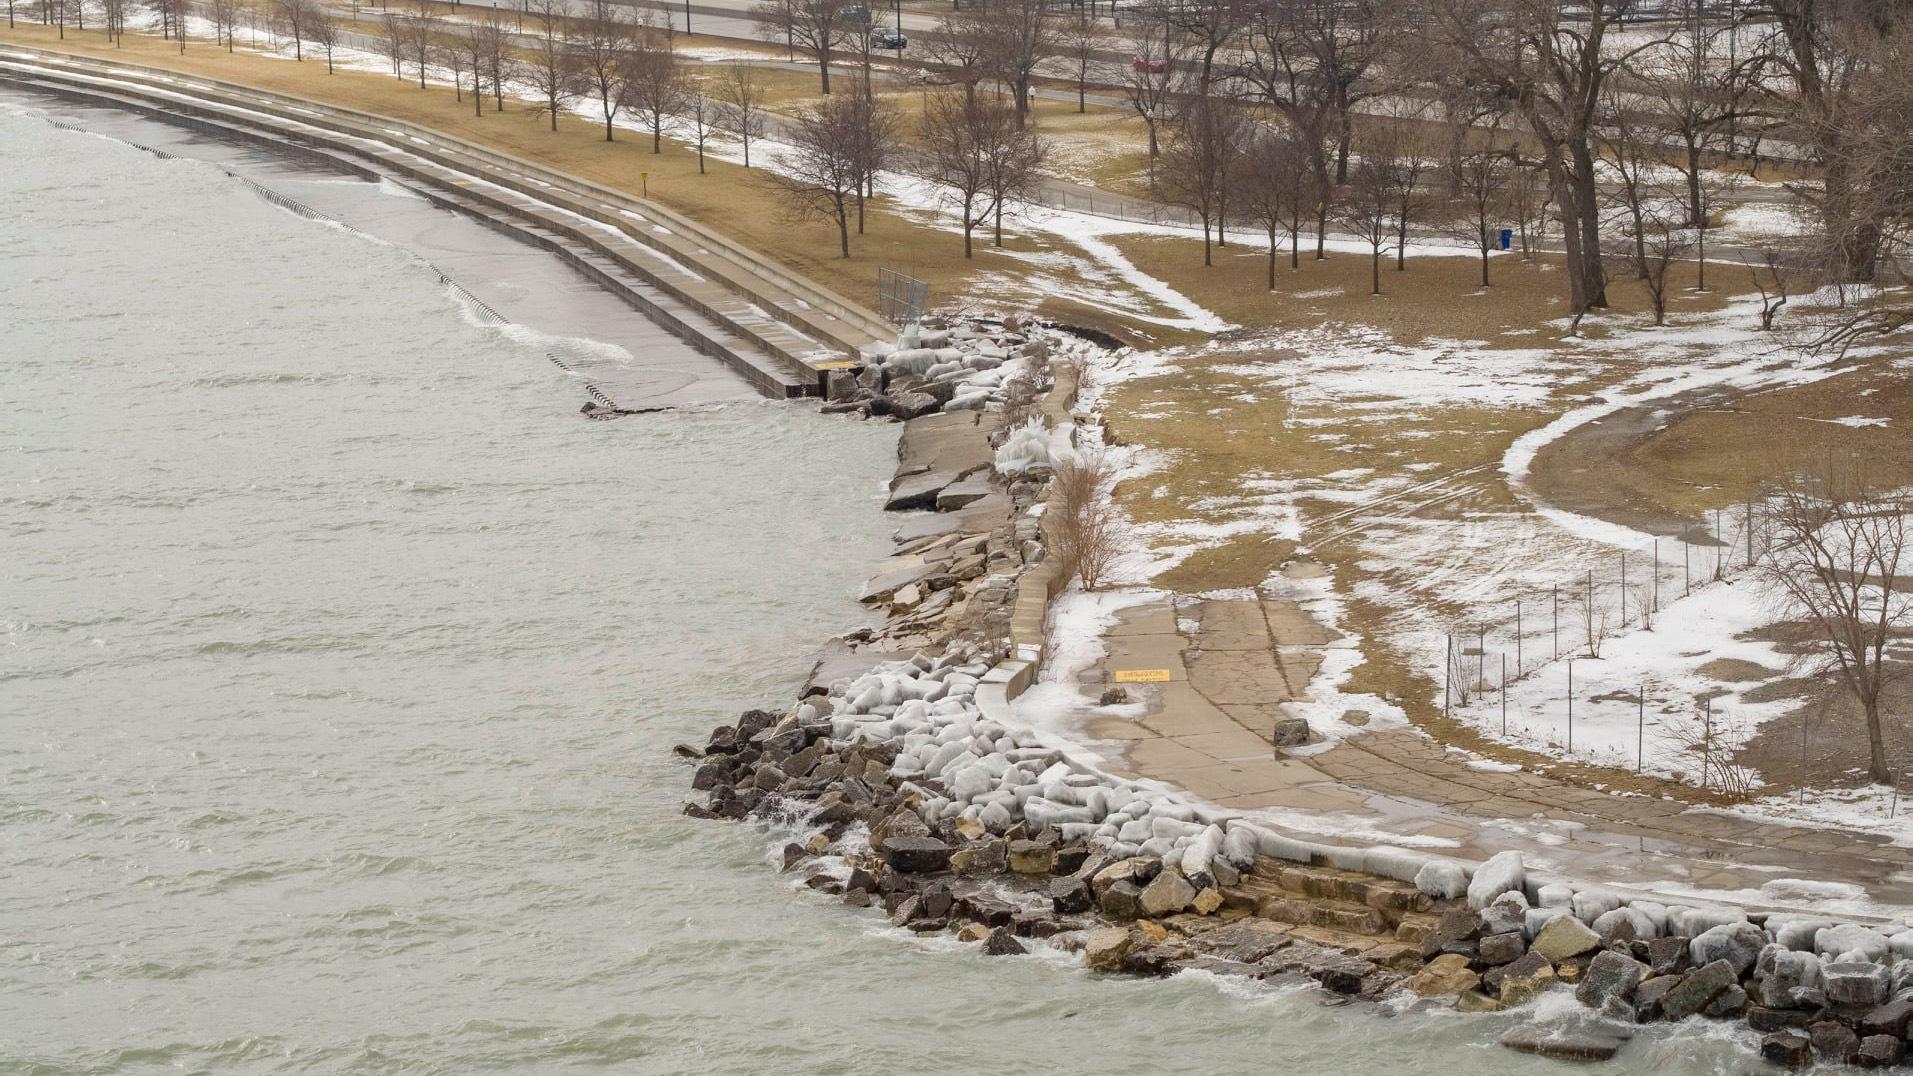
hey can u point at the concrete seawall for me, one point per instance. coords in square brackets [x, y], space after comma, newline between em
[776, 329]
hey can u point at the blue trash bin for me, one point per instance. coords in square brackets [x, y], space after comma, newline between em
[1507, 238]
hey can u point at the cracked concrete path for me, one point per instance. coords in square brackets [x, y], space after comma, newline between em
[1232, 664]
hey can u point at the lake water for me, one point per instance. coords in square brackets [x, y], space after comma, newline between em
[340, 661]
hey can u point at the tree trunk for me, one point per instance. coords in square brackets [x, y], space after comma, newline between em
[657, 133]
[1206, 256]
[1484, 265]
[1876, 744]
[843, 226]
[1375, 270]
[823, 68]
[1272, 253]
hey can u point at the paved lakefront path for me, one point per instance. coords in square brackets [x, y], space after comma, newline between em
[1233, 662]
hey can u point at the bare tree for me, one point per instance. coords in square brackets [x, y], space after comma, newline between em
[602, 42]
[819, 27]
[654, 85]
[1411, 188]
[550, 66]
[474, 40]
[742, 106]
[1027, 36]
[422, 36]
[1773, 277]
[295, 19]
[820, 177]
[1081, 39]
[1277, 188]
[872, 146]
[500, 58]
[1370, 199]
[1211, 28]
[1553, 63]
[1204, 142]
[1835, 560]
[1821, 74]
[1481, 188]
[958, 133]
[965, 44]
[324, 34]
[225, 19]
[1149, 83]
[1014, 176]
[394, 40]
[698, 115]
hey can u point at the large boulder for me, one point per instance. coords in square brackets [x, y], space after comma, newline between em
[1837, 941]
[1697, 989]
[1739, 944]
[916, 855]
[1565, 937]
[1105, 948]
[1610, 975]
[1441, 879]
[1856, 983]
[1167, 894]
[1787, 1049]
[1504, 948]
[902, 822]
[1789, 979]
[1444, 975]
[1122, 901]
[1502, 873]
[1576, 1041]
[1524, 980]
[1507, 912]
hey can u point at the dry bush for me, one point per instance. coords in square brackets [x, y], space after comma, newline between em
[1711, 738]
[1082, 522]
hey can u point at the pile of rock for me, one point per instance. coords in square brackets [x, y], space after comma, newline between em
[981, 826]
[936, 367]
[880, 841]
[1821, 990]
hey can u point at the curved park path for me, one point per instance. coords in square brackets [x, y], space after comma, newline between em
[1233, 663]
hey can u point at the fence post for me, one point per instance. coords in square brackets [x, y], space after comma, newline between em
[1448, 675]
[1640, 730]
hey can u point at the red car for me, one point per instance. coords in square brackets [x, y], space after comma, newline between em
[1155, 65]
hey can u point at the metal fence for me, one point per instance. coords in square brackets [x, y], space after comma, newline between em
[900, 298]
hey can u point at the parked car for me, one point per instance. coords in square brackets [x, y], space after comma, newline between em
[1149, 62]
[888, 37]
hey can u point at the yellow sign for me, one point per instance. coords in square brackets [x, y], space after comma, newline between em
[836, 364]
[1142, 676]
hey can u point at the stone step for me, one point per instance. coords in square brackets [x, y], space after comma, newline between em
[1337, 915]
[1331, 883]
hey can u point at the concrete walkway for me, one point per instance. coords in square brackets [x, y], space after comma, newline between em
[1232, 664]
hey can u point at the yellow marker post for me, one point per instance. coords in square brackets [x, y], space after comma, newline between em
[1142, 676]
[644, 178]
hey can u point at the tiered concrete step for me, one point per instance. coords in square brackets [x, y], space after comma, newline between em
[775, 328]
